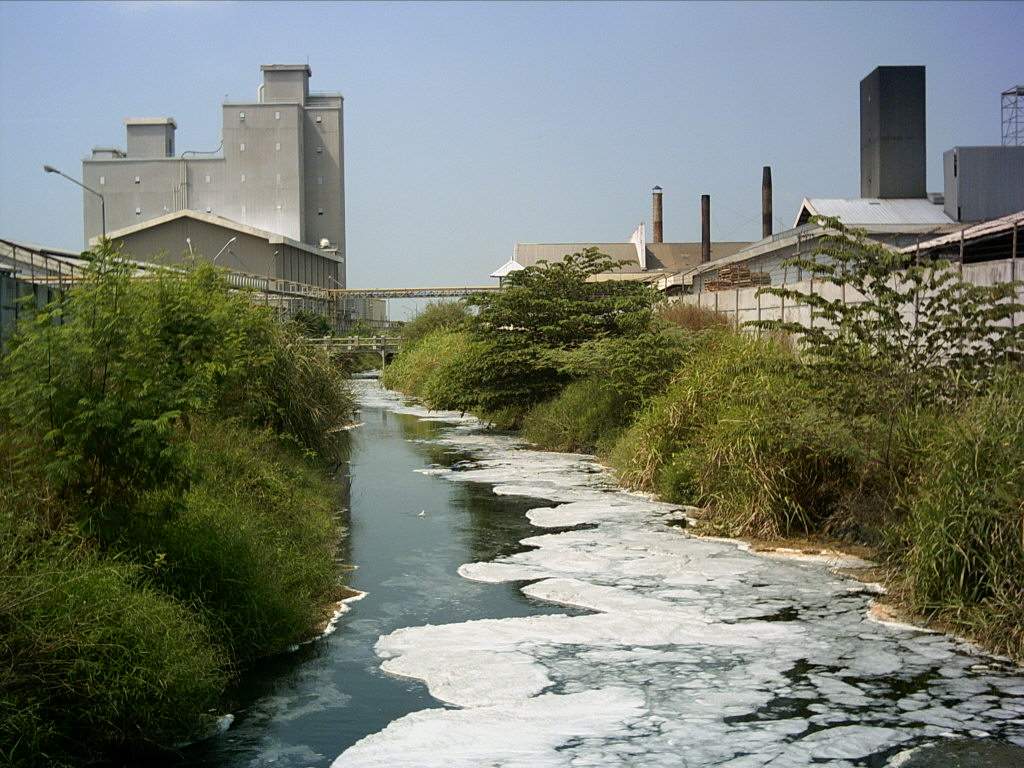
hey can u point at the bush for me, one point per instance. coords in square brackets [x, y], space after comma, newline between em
[91, 659]
[740, 432]
[583, 418]
[961, 548]
[690, 317]
[435, 316]
[431, 369]
[253, 543]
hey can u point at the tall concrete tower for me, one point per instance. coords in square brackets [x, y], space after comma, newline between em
[893, 162]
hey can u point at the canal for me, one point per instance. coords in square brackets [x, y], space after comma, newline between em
[609, 638]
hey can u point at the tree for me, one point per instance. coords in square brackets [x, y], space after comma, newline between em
[922, 334]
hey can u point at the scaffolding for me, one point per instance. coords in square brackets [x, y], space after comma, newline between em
[1013, 125]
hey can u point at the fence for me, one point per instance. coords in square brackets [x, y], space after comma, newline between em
[746, 305]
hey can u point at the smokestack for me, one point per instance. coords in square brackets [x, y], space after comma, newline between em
[766, 201]
[656, 224]
[705, 228]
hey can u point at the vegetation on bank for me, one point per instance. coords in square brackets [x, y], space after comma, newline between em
[166, 509]
[898, 429]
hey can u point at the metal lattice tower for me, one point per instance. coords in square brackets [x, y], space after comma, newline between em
[1013, 116]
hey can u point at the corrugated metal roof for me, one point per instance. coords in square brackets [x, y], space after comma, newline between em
[868, 212]
[984, 229]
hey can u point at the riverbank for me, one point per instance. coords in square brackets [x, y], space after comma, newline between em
[687, 646]
[168, 515]
[871, 444]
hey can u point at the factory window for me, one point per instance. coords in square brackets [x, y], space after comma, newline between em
[241, 115]
[243, 178]
[138, 211]
[241, 147]
[319, 211]
[319, 150]
[243, 210]
[209, 209]
[277, 115]
[277, 146]
[278, 178]
[207, 178]
[319, 179]
[138, 180]
[103, 179]
[319, 118]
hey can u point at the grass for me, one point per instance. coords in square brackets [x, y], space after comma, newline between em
[583, 418]
[94, 660]
[960, 550]
[429, 369]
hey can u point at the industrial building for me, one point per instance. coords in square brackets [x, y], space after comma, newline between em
[279, 170]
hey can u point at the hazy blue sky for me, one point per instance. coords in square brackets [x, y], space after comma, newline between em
[471, 126]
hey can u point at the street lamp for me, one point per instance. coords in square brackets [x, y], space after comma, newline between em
[188, 241]
[229, 242]
[103, 207]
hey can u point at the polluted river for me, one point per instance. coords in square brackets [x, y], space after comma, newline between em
[521, 610]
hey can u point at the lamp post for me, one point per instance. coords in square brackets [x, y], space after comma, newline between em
[229, 242]
[103, 207]
[188, 242]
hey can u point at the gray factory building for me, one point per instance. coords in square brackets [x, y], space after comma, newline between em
[280, 170]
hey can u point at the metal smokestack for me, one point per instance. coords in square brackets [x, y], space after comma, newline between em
[766, 201]
[705, 228]
[656, 220]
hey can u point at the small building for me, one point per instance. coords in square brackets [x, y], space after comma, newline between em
[983, 183]
[176, 237]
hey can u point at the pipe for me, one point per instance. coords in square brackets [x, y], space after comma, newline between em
[656, 218]
[766, 201]
[705, 228]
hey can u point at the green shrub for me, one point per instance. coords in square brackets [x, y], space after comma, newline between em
[253, 542]
[741, 433]
[91, 660]
[961, 548]
[582, 418]
[431, 370]
[435, 316]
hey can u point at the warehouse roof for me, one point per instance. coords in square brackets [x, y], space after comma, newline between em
[900, 214]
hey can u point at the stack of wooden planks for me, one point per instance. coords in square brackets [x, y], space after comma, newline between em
[737, 276]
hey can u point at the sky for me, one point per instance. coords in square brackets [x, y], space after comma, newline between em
[471, 126]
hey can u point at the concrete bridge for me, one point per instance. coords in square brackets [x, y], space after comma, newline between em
[385, 346]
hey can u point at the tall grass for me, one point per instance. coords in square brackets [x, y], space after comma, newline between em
[166, 513]
[961, 547]
[430, 369]
[92, 660]
[583, 418]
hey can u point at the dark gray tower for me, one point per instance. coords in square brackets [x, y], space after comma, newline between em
[892, 133]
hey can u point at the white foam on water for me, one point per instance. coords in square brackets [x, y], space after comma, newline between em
[692, 652]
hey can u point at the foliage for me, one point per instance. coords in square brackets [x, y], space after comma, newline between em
[311, 324]
[436, 315]
[430, 369]
[582, 418]
[558, 305]
[163, 540]
[921, 335]
[263, 576]
[690, 317]
[961, 547]
[92, 659]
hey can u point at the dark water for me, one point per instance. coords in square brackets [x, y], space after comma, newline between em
[304, 708]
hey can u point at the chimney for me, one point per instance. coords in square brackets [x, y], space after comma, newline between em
[705, 228]
[766, 201]
[892, 133]
[656, 221]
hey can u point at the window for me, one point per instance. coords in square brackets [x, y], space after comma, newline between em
[319, 179]
[278, 178]
[319, 118]
[103, 180]
[277, 146]
[138, 211]
[243, 210]
[319, 150]
[207, 178]
[319, 211]
[241, 147]
[241, 115]
[209, 209]
[277, 115]
[243, 178]
[138, 180]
